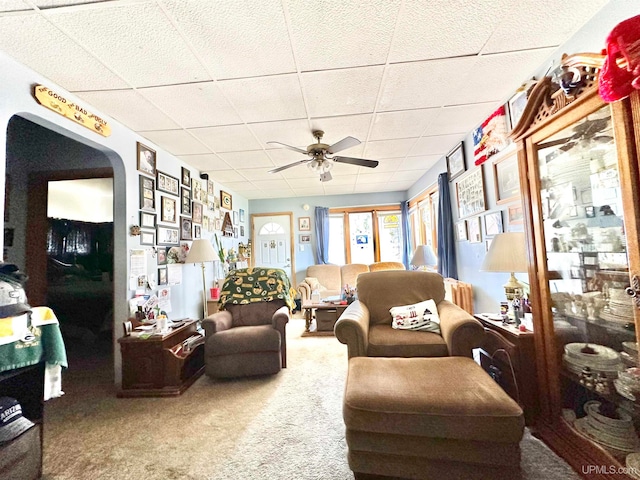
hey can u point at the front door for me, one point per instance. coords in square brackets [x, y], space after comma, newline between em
[272, 242]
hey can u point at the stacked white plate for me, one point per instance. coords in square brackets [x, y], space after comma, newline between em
[603, 360]
[619, 308]
[615, 434]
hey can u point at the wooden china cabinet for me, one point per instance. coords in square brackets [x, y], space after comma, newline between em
[578, 162]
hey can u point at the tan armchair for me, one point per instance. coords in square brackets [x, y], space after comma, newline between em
[365, 326]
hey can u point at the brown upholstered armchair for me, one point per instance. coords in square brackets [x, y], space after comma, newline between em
[249, 337]
[365, 326]
[246, 340]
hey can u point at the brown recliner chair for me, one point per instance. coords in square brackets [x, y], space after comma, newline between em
[246, 340]
[365, 326]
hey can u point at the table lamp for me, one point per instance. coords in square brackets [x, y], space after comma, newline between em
[423, 256]
[202, 251]
[508, 253]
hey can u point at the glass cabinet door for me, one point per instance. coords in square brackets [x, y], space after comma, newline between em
[588, 272]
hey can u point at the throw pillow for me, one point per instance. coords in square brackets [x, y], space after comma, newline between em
[421, 316]
[313, 283]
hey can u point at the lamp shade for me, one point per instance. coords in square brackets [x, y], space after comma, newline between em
[201, 251]
[424, 256]
[508, 253]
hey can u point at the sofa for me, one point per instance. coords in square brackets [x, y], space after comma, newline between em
[330, 279]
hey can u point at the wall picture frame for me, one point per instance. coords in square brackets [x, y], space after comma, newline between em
[196, 190]
[470, 194]
[167, 184]
[185, 177]
[146, 159]
[196, 212]
[474, 230]
[241, 212]
[197, 231]
[167, 235]
[168, 212]
[456, 164]
[161, 255]
[185, 201]
[210, 187]
[304, 224]
[147, 237]
[162, 276]
[517, 103]
[305, 238]
[186, 228]
[147, 194]
[226, 201]
[493, 223]
[507, 179]
[461, 230]
[147, 220]
[515, 215]
[235, 217]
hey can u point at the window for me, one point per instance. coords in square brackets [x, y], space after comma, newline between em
[271, 229]
[365, 235]
[424, 219]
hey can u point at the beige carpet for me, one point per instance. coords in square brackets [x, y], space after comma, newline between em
[287, 426]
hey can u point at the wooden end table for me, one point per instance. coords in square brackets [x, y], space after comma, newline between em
[308, 307]
[158, 365]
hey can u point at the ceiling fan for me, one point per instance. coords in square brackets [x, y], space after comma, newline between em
[321, 156]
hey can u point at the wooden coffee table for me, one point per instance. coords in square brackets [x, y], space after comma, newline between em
[308, 307]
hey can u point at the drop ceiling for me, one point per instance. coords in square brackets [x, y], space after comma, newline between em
[212, 82]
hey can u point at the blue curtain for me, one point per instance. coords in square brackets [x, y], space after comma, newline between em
[322, 235]
[406, 242]
[447, 265]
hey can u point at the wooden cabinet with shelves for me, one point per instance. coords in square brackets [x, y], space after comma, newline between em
[579, 175]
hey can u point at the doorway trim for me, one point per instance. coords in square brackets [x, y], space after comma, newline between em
[292, 251]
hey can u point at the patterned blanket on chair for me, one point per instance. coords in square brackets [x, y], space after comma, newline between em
[257, 284]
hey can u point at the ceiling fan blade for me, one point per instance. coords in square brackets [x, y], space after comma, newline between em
[284, 167]
[357, 161]
[295, 149]
[343, 144]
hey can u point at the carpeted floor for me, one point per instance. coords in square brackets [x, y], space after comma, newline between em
[287, 426]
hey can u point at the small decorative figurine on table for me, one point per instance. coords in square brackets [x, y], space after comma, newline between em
[349, 294]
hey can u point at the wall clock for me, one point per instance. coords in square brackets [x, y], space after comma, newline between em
[225, 200]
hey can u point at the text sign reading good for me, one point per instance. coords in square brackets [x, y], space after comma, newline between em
[59, 104]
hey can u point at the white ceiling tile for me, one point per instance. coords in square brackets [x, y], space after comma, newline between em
[225, 176]
[35, 42]
[406, 175]
[346, 169]
[278, 193]
[399, 186]
[283, 156]
[443, 28]
[13, 5]
[370, 187]
[335, 33]
[136, 39]
[239, 186]
[295, 133]
[491, 75]
[403, 124]
[389, 148]
[298, 172]
[309, 179]
[337, 128]
[318, 190]
[176, 142]
[229, 138]
[271, 184]
[248, 159]
[62, 3]
[435, 145]
[207, 162]
[236, 39]
[381, 177]
[529, 24]
[385, 165]
[129, 108]
[258, 174]
[342, 92]
[423, 84]
[266, 98]
[193, 104]
[424, 162]
[331, 188]
[344, 179]
[459, 118]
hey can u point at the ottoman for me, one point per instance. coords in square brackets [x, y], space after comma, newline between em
[429, 418]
